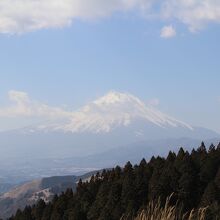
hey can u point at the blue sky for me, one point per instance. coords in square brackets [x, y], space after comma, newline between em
[124, 51]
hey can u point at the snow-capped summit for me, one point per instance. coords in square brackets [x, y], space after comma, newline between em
[116, 119]
[114, 97]
[117, 109]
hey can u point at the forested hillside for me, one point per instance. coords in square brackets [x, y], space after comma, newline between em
[193, 178]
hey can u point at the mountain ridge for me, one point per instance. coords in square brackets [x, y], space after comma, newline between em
[127, 124]
[110, 111]
[32, 191]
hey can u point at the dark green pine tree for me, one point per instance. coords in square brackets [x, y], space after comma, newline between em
[100, 202]
[202, 152]
[210, 195]
[211, 200]
[217, 183]
[77, 213]
[143, 174]
[208, 168]
[39, 209]
[113, 206]
[128, 189]
[179, 158]
[27, 213]
[47, 212]
[154, 189]
[187, 192]
[19, 215]
[60, 206]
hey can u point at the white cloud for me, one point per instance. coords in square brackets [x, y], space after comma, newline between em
[196, 14]
[19, 16]
[22, 105]
[168, 32]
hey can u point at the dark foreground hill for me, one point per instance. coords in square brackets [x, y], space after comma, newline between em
[30, 193]
[193, 178]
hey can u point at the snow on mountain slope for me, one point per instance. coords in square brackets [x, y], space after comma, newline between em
[116, 119]
[111, 111]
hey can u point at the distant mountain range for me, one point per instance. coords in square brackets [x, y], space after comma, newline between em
[116, 119]
[108, 131]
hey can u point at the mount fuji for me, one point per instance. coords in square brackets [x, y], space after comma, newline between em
[114, 120]
[115, 110]
[112, 111]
